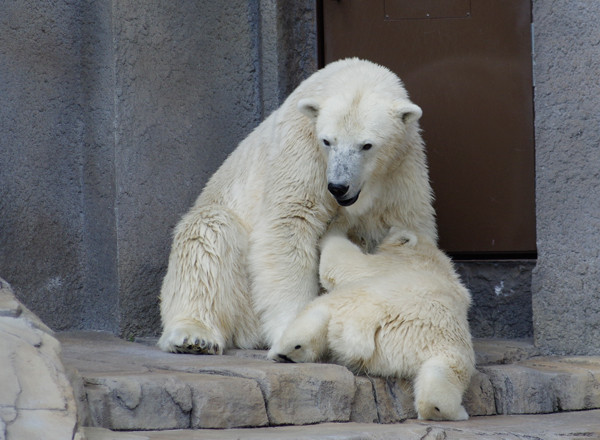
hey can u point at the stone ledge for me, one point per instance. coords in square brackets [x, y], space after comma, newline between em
[127, 384]
[121, 394]
[104, 383]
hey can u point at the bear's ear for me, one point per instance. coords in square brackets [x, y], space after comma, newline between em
[408, 111]
[309, 107]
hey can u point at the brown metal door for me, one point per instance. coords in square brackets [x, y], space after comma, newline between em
[467, 63]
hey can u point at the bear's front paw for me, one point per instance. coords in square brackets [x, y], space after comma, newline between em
[190, 338]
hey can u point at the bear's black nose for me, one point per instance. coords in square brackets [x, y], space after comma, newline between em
[337, 190]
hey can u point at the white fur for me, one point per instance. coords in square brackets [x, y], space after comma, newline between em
[244, 260]
[401, 311]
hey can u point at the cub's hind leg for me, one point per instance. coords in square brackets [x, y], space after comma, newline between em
[439, 388]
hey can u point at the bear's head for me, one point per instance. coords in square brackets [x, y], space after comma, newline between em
[362, 120]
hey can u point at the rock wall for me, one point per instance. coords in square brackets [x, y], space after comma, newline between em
[501, 297]
[36, 396]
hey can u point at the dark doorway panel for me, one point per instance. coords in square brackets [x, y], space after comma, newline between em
[467, 63]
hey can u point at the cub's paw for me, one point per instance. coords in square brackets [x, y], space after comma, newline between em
[190, 338]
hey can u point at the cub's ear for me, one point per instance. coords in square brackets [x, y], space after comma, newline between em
[309, 107]
[408, 111]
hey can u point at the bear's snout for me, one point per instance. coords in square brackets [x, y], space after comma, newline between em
[337, 190]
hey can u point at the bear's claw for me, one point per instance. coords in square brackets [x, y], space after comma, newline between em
[183, 340]
[198, 346]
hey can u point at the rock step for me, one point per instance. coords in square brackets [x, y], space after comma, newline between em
[36, 399]
[131, 386]
[583, 425]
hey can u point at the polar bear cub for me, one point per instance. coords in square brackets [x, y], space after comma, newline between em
[401, 311]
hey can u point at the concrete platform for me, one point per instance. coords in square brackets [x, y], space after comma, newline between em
[124, 386]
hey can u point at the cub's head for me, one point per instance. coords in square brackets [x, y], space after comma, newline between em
[305, 339]
[292, 351]
[361, 122]
[295, 345]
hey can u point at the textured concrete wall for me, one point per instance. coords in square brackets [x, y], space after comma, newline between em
[187, 93]
[114, 114]
[566, 282]
[98, 247]
[41, 132]
[288, 48]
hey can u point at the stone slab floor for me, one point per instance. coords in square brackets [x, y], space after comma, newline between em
[94, 386]
[136, 387]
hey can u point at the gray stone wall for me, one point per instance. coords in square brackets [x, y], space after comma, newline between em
[186, 91]
[98, 246]
[114, 114]
[566, 282]
[41, 132]
[288, 48]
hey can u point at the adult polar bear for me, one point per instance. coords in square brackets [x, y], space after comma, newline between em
[244, 260]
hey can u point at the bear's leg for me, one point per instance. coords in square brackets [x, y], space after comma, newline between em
[439, 390]
[205, 305]
[283, 262]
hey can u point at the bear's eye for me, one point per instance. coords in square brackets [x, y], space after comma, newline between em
[297, 347]
[366, 147]
[326, 143]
